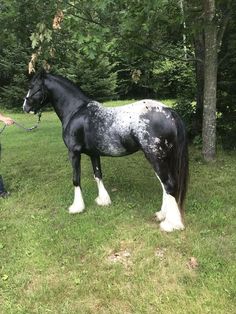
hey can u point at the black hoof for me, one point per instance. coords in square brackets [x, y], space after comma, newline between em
[4, 194]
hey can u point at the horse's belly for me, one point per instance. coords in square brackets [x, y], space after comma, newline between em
[116, 146]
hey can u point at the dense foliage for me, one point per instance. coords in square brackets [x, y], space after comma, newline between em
[112, 49]
[226, 86]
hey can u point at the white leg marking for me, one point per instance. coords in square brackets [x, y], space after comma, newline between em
[161, 215]
[78, 204]
[103, 198]
[169, 213]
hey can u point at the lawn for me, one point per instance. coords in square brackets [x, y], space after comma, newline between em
[111, 259]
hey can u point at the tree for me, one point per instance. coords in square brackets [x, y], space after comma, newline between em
[208, 20]
[214, 29]
[210, 81]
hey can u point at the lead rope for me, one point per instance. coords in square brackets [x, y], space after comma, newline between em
[3, 128]
[23, 127]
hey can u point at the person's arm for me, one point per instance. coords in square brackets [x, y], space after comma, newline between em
[6, 120]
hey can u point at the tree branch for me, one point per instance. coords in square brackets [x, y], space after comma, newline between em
[223, 26]
[166, 54]
[91, 20]
[223, 59]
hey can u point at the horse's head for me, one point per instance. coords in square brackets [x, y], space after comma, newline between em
[36, 97]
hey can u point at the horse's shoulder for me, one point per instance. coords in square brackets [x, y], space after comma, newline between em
[96, 110]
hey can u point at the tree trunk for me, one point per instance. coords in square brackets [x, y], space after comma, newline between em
[184, 26]
[210, 82]
[199, 54]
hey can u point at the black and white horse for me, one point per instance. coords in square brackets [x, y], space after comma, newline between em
[96, 131]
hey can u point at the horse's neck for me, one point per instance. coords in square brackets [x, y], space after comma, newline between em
[64, 100]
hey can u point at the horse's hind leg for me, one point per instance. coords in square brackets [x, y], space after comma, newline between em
[169, 215]
[161, 214]
[103, 198]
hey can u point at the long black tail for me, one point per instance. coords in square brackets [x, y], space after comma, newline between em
[182, 166]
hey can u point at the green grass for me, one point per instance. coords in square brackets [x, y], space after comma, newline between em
[110, 259]
[168, 102]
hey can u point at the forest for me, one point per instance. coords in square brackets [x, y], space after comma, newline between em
[167, 49]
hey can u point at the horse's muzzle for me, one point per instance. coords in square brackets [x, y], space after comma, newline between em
[27, 108]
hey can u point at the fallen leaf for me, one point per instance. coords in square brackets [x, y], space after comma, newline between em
[122, 257]
[160, 252]
[192, 263]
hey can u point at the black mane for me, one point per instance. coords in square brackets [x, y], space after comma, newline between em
[70, 85]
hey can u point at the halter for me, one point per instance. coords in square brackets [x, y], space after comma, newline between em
[26, 98]
[39, 89]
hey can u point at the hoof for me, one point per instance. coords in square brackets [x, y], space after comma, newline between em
[160, 216]
[75, 209]
[103, 201]
[4, 194]
[169, 227]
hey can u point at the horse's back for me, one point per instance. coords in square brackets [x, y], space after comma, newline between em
[146, 118]
[138, 107]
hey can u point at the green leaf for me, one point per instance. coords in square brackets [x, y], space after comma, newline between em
[34, 43]
[48, 35]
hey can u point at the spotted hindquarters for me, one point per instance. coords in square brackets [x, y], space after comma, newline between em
[164, 143]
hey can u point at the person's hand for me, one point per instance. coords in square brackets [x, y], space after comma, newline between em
[7, 120]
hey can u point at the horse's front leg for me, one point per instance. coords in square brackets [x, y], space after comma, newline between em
[78, 204]
[103, 198]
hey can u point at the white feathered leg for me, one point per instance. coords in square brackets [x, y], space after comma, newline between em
[103, 198]
[78, 204]
[169, 215]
